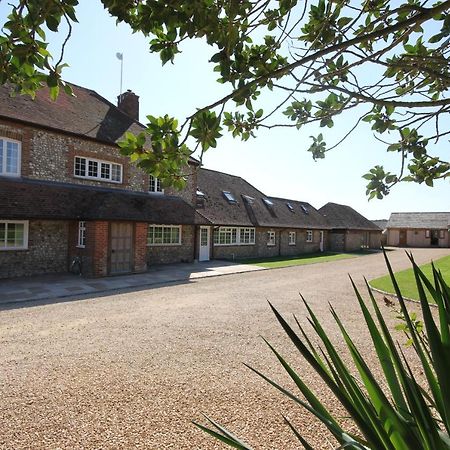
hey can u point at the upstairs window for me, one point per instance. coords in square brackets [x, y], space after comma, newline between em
[230, 197]
[13, 234]
[95, 169]
[81, 234]
[154, 185]
[9, 157]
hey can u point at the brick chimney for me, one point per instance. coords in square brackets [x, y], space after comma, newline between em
[128, 102]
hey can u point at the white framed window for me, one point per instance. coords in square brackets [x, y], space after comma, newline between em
[10, 157]
[164, 235]
[96, 169]
[427, 233]
[81, 242]
[13, 234]
[309, 236]
[234, 236]
[441, 234]
[292, 237]
[271, 238]
[154, 185]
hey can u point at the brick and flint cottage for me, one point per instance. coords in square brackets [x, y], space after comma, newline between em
[66, 193]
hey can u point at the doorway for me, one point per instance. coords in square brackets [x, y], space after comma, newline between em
[402, 238]
[434, 237]
[121, 248]
[204, 247]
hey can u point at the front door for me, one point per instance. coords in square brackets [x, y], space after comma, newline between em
[121, 248]
[204, 244]
[434, 237]
[402, 238]
[321, 241]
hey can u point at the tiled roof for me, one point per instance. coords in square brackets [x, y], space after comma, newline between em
[439, 220]
[86, 114]
[250, 208]
[381, 223]
[33, 199]
[345, 217]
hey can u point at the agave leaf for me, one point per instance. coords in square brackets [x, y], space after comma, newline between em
[298, 435]
[222, 438]
[397, 434]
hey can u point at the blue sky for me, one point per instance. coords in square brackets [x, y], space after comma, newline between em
[276, 162]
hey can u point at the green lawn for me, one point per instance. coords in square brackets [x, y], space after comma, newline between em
[406, 281]
[311, 258]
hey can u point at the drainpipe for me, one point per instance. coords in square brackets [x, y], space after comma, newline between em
[196, 232]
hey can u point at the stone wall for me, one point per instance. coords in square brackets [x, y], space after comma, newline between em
[47, 251]
[166, 254]
[417, 238]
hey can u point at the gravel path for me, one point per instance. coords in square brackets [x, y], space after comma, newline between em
[133, 370]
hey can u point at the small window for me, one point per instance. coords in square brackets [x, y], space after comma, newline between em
[81, 234]
[200, 193]
[309, 236]
[290, 207]
[230, 197]
[292, 237]
[427, 233]
[10, 157]
[164, 235]
[249, 200]
[97, 170]
[268, 203]
[154, 184]
[200, 199]
[304, 209]
[271, 238]
[13, 235]
[247, 236]
[441, 234]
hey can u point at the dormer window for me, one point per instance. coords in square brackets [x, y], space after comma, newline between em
[230, 197]
[154, 185]
[200, 198]
[9, 157]
[290, 207]
[304, 209]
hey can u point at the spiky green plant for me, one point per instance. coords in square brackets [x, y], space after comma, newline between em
[409, 416]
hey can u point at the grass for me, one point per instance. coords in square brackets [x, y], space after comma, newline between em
[406, 279]
[311, 258]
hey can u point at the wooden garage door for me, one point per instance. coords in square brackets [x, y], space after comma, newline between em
[121, 248]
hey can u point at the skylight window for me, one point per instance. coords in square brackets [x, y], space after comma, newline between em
[304, 209]
[290, 207]
[229, 196]
[248, 199]
[200, 193]
[268, 202]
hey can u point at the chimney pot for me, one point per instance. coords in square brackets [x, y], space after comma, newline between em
[128, 102]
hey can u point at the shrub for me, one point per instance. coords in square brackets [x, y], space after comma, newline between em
[409, 416]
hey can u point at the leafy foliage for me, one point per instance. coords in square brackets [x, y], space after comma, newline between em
[387, 60]
[408, 416]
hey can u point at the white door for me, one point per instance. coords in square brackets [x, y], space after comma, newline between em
[204, 244]
[321, 241]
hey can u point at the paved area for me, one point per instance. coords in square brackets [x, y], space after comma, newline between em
[132, 370]
[49, 287]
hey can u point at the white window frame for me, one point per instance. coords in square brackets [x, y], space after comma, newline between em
[81, 241]
[151, 235]
[427, 234]
[309, 236]
[3, 171]
[292, 238]
[157, 186]
[441, 234]
[271, 238]
[237, 236]
[24, 246]
[99, 163]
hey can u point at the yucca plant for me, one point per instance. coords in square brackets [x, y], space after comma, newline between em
[410, 416]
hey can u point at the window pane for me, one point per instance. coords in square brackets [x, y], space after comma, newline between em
[12, 157]
[92, 169]
[14, 235]
[175, 235]
[150, 233]
[80, 167]
[167, 235]
[158, 235]
[1, 155]
[2, 234]
[116, 172]
[105, 171]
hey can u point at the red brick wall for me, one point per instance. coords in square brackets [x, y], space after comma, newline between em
[140, 247]
[99, 233]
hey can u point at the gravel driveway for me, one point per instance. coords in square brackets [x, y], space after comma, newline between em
[133, 370]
